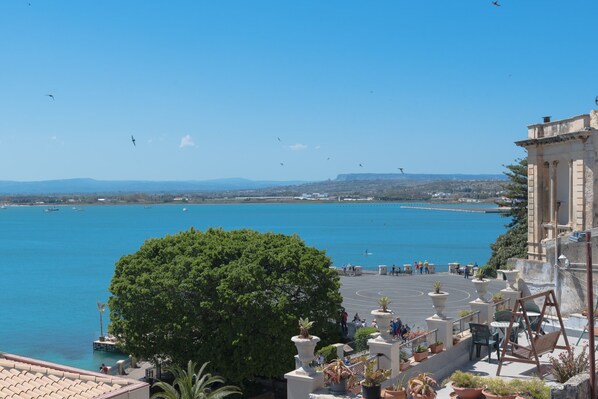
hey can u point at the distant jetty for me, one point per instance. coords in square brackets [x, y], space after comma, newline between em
[459, 209]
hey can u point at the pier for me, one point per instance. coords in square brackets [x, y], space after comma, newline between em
[459, 209]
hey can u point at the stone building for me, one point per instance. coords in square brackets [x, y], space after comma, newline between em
[562, 179]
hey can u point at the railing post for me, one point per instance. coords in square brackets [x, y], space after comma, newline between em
[445, 330]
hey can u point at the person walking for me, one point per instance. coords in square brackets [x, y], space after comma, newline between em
[466, 272]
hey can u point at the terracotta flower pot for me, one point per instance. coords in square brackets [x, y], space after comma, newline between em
[489, 395]
[404, 365]
[467, 393]
[420, 356]
[436, 348]
[418, 396]
[390, 393]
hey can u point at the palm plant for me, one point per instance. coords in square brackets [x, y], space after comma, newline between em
[304, 326]
[188, 384]
[384, 302]
[101, 309]
[437, 286]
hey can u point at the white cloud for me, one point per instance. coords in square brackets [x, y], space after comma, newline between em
[54, 138]
[298, 147]
[186, 141]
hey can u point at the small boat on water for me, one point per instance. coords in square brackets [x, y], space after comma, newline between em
[51, 209]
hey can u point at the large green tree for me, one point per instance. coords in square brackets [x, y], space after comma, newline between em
[229, 297]
[513, 243]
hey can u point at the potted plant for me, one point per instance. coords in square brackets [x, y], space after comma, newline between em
[383, 318]
[438, 300]
[437, 347]
[497, 299]
[466, 385]
[510, 274]
[422, 386]
[398, 390]
[532, 389]
[405, 362]
[306, 345]
[420, 353]
[481, 285]
[338, 376]
[372, 378]
[497, 388]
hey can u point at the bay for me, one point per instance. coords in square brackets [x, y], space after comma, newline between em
[56, 265]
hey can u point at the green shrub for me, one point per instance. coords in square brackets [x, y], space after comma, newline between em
[488, 271]
[329, 353]
[566, 365]
[361, 337]
[532, 389]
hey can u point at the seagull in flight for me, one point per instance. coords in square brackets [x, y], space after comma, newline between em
[278, 138]
[495, 3]
[51, 96]
[360, 165]
[401, 169]
[133, 140]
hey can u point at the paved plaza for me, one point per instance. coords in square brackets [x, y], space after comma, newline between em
[409, 295]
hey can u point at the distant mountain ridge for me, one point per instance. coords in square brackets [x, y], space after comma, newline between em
[425, 177]
[92, 186]
[87, 186]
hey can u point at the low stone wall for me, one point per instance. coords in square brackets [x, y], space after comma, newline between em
[577, 387]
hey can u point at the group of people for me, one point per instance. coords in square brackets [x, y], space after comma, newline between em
[398, 329]
[421, 267]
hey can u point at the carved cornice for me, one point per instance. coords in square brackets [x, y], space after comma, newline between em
[581, 135]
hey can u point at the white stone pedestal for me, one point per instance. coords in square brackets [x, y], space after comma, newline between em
[300, 385]
[392, 355]
[486, 311]
[512, 295]
[340, 352]
[445, 330]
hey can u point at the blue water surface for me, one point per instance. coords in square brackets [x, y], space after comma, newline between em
[56, 265]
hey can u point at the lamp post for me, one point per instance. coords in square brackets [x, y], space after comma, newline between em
[101, 309]
[590, 288]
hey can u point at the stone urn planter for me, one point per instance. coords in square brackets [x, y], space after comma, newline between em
[305, 349]
[439, 303]
[511, 276]
[383, 320]
[481, 287]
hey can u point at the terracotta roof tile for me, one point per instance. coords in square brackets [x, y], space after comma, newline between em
[23, 380]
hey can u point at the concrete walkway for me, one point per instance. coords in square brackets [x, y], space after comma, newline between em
[408, 295]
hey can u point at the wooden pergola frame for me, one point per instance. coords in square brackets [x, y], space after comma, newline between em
[538, 344]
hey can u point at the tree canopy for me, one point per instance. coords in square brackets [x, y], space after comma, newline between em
[229, 297]
[513, 243]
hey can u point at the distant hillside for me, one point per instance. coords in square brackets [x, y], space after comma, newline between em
[416, 177]
[91, 186]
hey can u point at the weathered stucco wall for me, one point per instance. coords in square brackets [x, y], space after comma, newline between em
[569, 282]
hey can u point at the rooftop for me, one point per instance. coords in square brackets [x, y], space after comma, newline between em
[26, 378]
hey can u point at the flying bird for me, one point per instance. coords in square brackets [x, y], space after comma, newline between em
[281, 164]
[133, 140]
[360, 165]
[51, 96]
[401, 169]
[495, 3]
[328, 159]
[278, 138]
[596, 100]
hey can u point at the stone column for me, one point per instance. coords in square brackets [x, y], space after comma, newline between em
[486, 311]
[300, 385]
[445, 330]
[570, 217]
[340, 352]
[512, 295]
[392, 355]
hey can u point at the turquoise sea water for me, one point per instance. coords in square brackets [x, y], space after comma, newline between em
[56, 265]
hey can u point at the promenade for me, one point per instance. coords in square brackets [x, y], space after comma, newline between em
[408, 295]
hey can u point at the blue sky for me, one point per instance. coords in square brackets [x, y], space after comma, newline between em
[208, 87]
